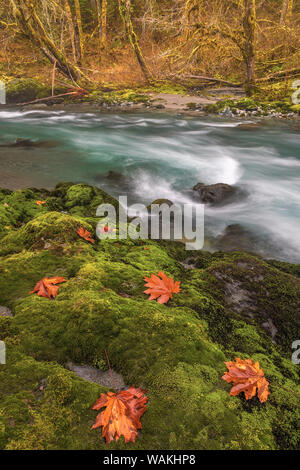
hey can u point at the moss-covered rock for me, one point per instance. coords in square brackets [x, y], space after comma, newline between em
[176, 351]
[24, 90]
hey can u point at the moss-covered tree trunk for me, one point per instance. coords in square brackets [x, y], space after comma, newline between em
[78, 31]
[125, 12]
[104, 22]
[249, 26]
[27, 17]
[71, 28]
[286, 11]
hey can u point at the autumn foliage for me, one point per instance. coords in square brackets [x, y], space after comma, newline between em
[247, 377]
[122, 414]
[85, 234]
[106, 229]
[47, 287]
[161, 288]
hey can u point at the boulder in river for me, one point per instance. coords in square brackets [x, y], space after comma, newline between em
[159, 202]
[28, 143]
[236, 238]
[250, 126]
[214, 193]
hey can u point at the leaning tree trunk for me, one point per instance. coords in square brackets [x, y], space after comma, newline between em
[125, 12]
[249, 25]
[30, 23]
[286, 11]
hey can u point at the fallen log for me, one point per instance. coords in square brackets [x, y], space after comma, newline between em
[280, 75]
[214, 80]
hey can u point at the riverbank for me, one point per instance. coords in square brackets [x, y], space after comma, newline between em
[170, 98]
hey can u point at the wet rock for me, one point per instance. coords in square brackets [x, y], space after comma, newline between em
[36, 106]
[28, 143]
[113, 176]
[215, 194]
[235, 238]
[114, 179]
[5, 312]
[159, 202]
[109, 379]
[22, 90]
[270, 328]
[237, 297]
[250, 126]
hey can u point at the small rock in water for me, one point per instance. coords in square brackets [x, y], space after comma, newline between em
[249, 126]
[214, 193]
[35, 106]
[235, 238]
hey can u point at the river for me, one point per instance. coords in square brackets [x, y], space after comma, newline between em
[164, 156]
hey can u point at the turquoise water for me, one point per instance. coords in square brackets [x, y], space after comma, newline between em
[164, 156]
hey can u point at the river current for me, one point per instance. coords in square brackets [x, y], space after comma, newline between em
[163, 156]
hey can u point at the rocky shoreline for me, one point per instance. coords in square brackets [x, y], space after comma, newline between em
[222, 102]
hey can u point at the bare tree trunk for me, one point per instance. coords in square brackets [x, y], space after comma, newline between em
[30, 23]
[99, 19]
[249, 25]
[79, 28]
[71, 28]
[104, 22]
[125, 12]
[286, 11]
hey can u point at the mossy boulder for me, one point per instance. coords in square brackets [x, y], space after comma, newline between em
[24, 90]
[176, 351]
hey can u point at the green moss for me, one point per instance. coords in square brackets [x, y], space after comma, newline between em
[121, 96]
[176, 351]
[24, 90]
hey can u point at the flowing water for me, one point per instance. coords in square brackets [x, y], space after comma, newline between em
[164, 156]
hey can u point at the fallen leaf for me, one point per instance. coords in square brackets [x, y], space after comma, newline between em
[122, 414]
[40, 203]
[247, 377]
[46, 287]
[106, 229]
[83, 233]
[161, 289]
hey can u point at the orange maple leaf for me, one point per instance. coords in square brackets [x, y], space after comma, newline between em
[161, 289]
[122, 414]
[83, 233]
[248, 378]
[46, 287]
[40, 203]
